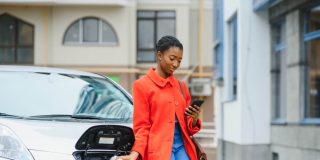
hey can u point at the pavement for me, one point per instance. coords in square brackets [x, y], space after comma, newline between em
[211, 153]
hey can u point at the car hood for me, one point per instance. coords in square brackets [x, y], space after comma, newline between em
[50, 136]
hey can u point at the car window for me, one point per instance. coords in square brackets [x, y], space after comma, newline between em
[30, 94]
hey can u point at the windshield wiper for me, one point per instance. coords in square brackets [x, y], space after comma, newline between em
[51, 116]
[66, 115]
[86, 117]
[96, 118]
[9, 115]
[101, 118]
[76, 117]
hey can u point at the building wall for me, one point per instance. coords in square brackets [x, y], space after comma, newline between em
[52, 21]
[253, 137]
[207, 33]
[182, 30]
[233, 151]
[51, 24]
[294, 90]
[246, 119]
[230, 110]
[187, 27]
[294, 140]
[117, 17]
[39, 17]
[254, 75]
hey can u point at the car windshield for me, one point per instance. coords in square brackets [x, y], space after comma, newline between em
[29, 94]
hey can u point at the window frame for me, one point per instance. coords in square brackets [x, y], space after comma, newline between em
[218, 49]
[235, 56]
[279, 48]
[155, 20]
[16, 44]
[308, 37]
[232, 46]
[81, 41]
[275, 156]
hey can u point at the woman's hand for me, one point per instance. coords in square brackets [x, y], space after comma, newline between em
[193, 111]
[132, 156]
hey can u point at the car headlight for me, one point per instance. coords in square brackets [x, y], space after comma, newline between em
[11, 147]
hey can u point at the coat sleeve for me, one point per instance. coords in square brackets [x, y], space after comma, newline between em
[192, 130]
[141, 123]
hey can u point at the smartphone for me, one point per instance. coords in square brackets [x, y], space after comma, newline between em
[197, 102]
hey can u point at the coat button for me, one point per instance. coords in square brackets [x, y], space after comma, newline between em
[176, 103]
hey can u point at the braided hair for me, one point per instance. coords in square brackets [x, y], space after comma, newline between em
[167, 42]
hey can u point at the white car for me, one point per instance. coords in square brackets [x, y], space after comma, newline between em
[59, 114]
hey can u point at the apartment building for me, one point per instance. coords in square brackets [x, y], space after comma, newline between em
[110, 37]
[267, 93]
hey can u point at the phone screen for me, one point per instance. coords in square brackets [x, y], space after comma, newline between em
[197, 102]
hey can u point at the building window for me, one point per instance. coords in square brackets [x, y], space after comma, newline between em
[16, 41]
[312, 43]
[275, 156]
[233, 58]
[90, 30]
[278, 71]
[218, 40]
[152, 25]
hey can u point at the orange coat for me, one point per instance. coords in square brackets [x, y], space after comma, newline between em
[156, 101]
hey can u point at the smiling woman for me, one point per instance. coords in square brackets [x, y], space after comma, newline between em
[163, 119]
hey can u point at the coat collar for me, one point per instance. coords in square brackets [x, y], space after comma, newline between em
[159, 80]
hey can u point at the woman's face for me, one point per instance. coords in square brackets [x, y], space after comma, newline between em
[170, 60]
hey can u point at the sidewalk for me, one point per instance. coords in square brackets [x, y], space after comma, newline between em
[211, 153]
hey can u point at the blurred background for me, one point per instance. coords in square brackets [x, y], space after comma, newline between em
[255, 62]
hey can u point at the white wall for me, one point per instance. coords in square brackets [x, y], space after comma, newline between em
[38, 17]
[255, 84]
[117, 17]
[51, 23]
[232, 110]
[246, 119]
[207, 33]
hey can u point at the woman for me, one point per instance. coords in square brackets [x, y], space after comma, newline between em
[162, 122]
